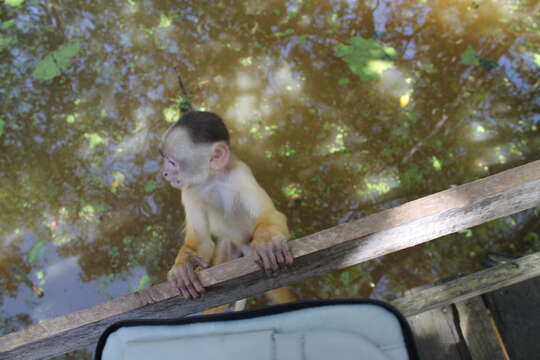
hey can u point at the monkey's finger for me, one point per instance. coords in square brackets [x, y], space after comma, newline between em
[288, 254]
[282, 252]
[192, 292]
[188, 286]
[185, 293]
[258, 259]
[183, 282]
[182, 289]
[272, 265]
[173, 279]
[272, 257]
[277, 248]
[194, 279]
[266, 263]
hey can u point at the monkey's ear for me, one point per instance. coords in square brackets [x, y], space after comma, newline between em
[220, 156]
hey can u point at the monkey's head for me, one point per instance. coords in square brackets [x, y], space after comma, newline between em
[194, 148]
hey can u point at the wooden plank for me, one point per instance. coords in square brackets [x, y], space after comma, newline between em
[437, 336]
[430, 297]
[404, 226]
[479, 331]
[516, 310]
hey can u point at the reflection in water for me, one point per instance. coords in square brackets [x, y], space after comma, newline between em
[85, 215]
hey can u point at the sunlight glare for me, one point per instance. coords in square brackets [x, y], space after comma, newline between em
[244, 110]
[287, 81]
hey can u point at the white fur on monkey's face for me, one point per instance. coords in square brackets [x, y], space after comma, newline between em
[185, 163]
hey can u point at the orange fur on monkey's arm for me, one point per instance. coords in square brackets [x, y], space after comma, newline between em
[270, 241]
[197, 250]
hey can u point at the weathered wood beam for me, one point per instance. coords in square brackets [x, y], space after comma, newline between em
[391, 230]
[479, 331]
[425, 298]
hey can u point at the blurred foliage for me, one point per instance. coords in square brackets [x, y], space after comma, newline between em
[14, 2]
[37, 251]
[85, 214]
[367, 58]
[56, 62]
[468, 57]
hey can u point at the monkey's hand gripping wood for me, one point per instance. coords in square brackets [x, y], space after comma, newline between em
[183, 275]
[270, 242]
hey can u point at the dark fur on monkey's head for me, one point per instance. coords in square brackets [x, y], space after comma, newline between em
[204, 127]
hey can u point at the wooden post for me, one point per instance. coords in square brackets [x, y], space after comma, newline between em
[391, 230]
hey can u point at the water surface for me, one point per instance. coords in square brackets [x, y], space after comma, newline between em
[451, 94]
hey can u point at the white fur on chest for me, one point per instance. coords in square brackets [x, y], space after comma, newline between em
[229, 219]
[221, 197]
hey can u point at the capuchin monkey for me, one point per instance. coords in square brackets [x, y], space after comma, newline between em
[228, 214]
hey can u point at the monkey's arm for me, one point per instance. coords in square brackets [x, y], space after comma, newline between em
[271, 233]
[270, 241]
[197, 250]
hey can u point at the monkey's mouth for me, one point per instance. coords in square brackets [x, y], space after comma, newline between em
[176, 184]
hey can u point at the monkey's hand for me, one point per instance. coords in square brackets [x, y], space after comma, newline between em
[272, 253]
[183, 277]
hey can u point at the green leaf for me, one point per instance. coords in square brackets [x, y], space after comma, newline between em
[7, 24]
[537, 59]
[5, 42]
[532, 236]
[436, 163]
[284, 33]
[171, 114]
[40, 275]
[64, 54]
[292, 13]
[127, 240]
[366, 58]
[302, 39]
[468, 57]
[1, 126]
[345, 278]
[293, 192]
[144, 282]
[46, 69]
[95, 139]
[466, 232]
[412, 176]
[60, 240]
[56, 62]
[164, 21]
[36, 252]
[150, 186]
[14, 3]
[344, 81]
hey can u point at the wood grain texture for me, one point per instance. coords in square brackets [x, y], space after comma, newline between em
[391, 230]
[437, 335]
[478, 330]
[516, 310]
[425, 298]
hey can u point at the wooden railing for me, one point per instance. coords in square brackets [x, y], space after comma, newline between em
[407, 225]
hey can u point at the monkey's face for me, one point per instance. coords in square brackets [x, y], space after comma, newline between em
[185, 163]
